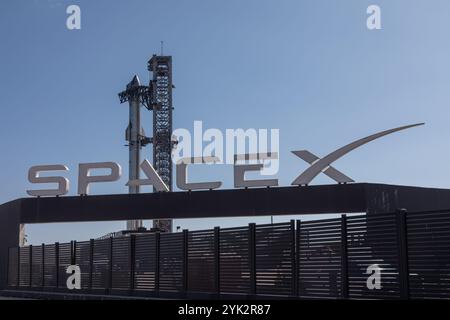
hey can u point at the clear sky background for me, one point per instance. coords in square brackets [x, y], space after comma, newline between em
[309, 68]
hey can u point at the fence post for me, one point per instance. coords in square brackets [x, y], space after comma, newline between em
[185, 260]
[344, 258]
[157, 256]
[252, 256]
[110, 271]
[57, 263]
[293, 260]
[402, 233]
[30, 261]
[132, 260]
[18, 268]
[43, 265]
[298, 252]
[7, 267]
[91, 261]
[74, 253]
[217, 259]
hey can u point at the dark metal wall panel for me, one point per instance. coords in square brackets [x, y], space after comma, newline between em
[201, 261]
[37, 267]
[320, 269]
[274, 259]
[373, 241]
[234, 263]
[82, 259]
[24, 267]
[65, 260]
[429, 255]
[332, 258]
[121, 275]
[145, 262]
[13, 259]
[50, 266]
[101, 264]
[171, 262]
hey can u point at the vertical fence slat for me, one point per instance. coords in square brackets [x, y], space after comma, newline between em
[57, 263]
[18, 267]
[157, 259]
[252, 256]
[91, 262]
[293, 259]
[7, 267]
[344, 258]
[110, 266]
[217, 258]
[30, 263]
[132, 260]
[403, 253]
[43, 265]
[297, 243]
[185, 260]
[74, 253]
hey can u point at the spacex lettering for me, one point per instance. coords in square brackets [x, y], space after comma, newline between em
[85, 178]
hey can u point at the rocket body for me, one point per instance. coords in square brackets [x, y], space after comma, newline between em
[133, 136]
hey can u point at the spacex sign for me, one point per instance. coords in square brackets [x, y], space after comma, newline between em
[85, 178]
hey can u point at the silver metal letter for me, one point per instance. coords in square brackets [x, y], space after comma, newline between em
[307, 176]
[34, 177]
[153, 178]
[182, 182]
[331, 172]
[85, 179]
[240, 170]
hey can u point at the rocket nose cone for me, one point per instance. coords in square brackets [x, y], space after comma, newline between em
[134, 83]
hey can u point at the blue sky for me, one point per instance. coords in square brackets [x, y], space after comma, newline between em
[309, 68]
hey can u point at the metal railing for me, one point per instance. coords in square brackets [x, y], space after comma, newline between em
[330, 258]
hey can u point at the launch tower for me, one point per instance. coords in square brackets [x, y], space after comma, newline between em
[161, 104]
[157, 97]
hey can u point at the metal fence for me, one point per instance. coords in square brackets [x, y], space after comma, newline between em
[300, 259]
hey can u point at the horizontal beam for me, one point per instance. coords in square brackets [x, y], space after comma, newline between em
[199, 204]
[323, 199]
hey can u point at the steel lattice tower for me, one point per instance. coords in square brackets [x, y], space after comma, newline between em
[161, 104]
